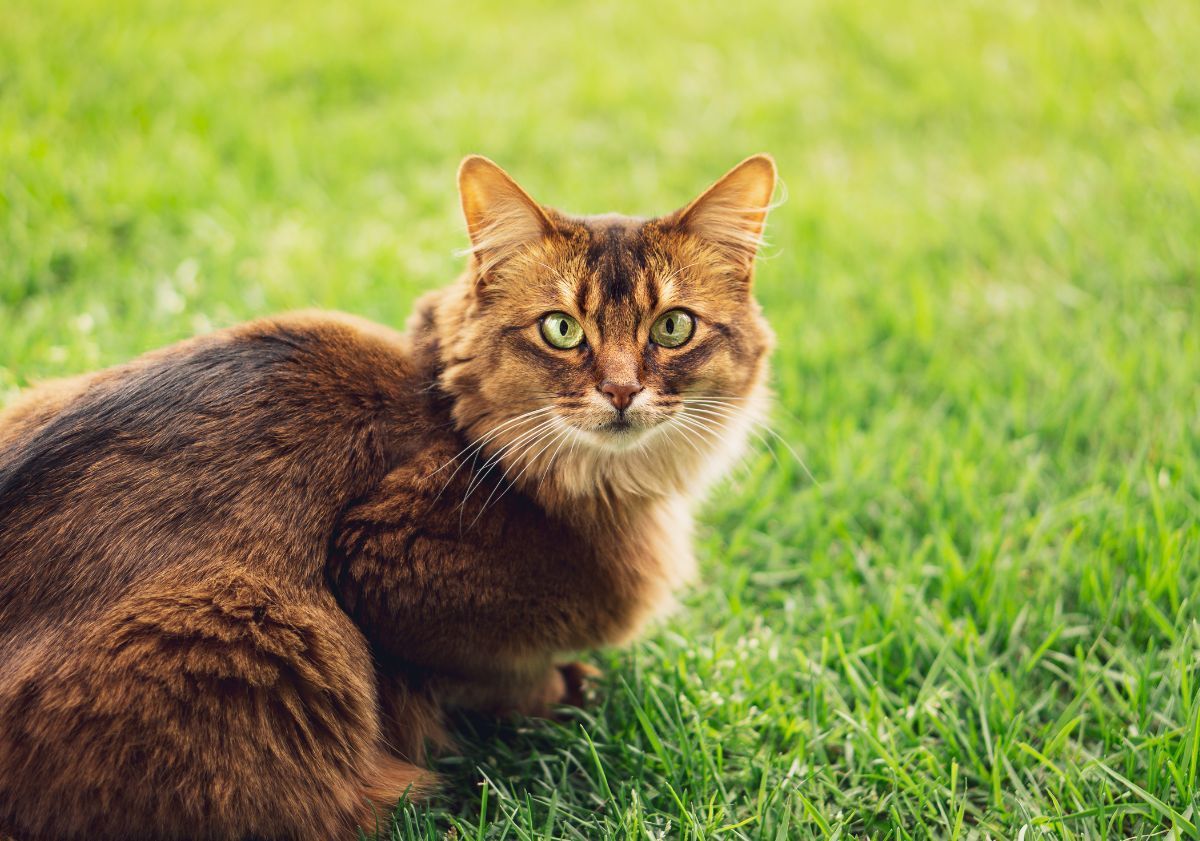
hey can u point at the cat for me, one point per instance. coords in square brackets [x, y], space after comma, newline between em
[243, 577]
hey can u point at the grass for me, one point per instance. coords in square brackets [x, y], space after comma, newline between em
[980, 619]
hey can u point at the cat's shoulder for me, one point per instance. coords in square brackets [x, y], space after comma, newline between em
[305, 353]
[330, 325]
[336, 336]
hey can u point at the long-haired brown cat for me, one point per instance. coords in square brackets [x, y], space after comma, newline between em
[241, 578]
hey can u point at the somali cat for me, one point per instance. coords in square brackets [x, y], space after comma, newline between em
[243, 577]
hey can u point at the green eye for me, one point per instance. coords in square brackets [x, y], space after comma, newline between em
[672, 329]
[562, 331]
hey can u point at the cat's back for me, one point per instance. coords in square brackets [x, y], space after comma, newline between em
[240, 447]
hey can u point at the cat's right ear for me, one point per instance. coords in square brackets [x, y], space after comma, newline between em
[501, 217]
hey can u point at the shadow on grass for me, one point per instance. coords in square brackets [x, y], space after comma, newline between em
[502, 771]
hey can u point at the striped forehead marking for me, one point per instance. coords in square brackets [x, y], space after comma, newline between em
[617, 278]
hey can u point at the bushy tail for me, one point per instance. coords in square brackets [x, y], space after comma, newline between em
[391, 781]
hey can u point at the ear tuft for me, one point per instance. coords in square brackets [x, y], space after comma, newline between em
[501, 217]
[732, 212]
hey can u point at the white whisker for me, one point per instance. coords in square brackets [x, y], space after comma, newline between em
[697, 424]
[483, 439]
[554, 455]
[478, 478]
[683, 431]
[716, 406]
[477, 447]
[528, 463]
[516, 459]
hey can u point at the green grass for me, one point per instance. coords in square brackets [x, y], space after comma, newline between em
[981, 618]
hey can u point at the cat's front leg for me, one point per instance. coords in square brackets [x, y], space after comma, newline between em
[580, 680]
[495, 598]
[521, 692]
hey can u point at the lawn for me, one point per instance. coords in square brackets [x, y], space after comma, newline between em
[973, 610]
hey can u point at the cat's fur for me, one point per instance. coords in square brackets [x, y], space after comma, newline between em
[241, 577]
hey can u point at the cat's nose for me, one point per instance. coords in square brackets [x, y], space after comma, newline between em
[620, 394]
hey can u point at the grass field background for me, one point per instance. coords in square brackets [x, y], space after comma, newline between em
[978, 617]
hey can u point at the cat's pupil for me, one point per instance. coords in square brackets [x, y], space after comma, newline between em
[562, 327]
[670, 325]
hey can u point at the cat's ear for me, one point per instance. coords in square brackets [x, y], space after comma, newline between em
[732, 212]
[501, 217]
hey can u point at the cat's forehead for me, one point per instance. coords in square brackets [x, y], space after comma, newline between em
[615, 259]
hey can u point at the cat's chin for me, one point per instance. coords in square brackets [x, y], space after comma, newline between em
[620, 436]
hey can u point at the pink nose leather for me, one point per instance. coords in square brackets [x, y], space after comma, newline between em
[620, 394]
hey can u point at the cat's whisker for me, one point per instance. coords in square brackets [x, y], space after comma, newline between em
[729, 412]
[715, 404]
[643, 443]
[699, 424]
[569, 436]
[727, 398]
[484, 438]
[693, 437]
[482, 472]
[671, 427]
[561, 438]
[725, 410]
[712, 413]
[794, 454]
[575, 439]
[710, 432]
[478, 446]
[476, 449]
[692, 417]
[506, 447]
[716, 427]
[531, 460]
[718, 418]
[528, 463]
[516, 459]
[683, 430]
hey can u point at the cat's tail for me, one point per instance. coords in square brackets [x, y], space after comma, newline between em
[391, 781]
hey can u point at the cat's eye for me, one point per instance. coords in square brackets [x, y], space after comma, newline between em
[672, 329]
[562, 331]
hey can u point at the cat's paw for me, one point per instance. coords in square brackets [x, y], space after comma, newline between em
[579, 683]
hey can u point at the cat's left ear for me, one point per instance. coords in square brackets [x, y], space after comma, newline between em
[501, 217]
[732, 212]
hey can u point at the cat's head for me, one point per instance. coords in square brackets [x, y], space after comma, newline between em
[608, 353]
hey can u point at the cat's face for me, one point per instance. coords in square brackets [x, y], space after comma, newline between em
[609, 343]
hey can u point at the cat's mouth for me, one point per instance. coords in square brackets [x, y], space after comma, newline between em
[618, 426]
[623, 431]
[613, 429]
[619, 435]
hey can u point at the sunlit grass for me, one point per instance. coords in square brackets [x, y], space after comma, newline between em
[981, 617]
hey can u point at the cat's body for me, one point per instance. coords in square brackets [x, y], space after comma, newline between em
[242, 577]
